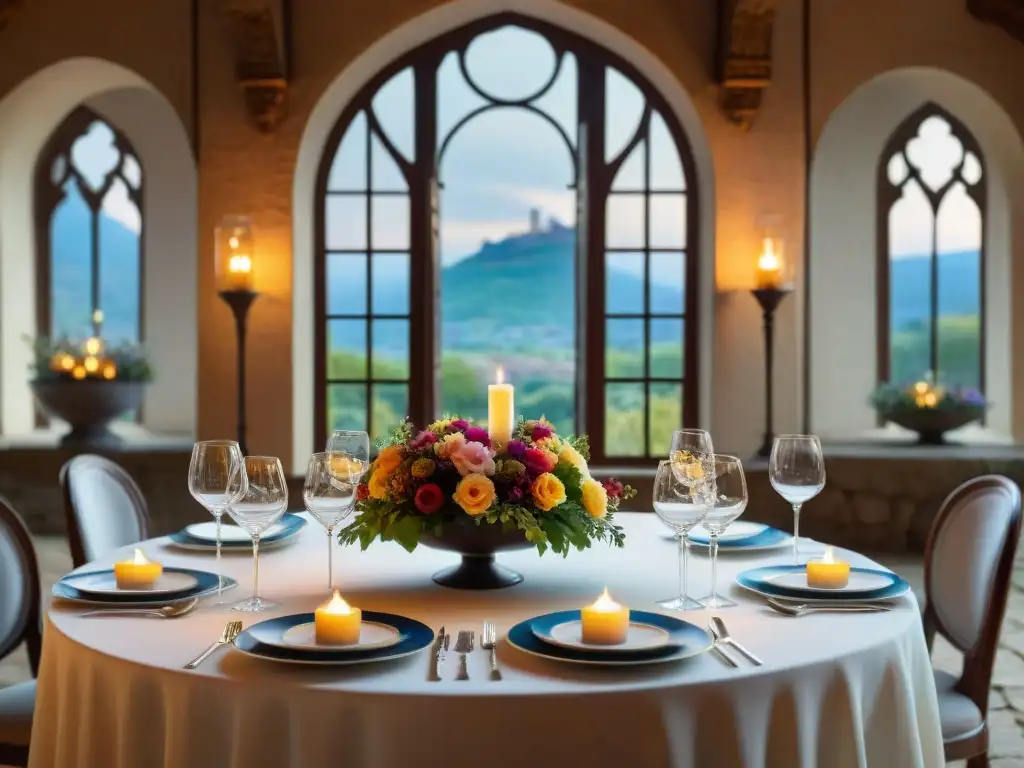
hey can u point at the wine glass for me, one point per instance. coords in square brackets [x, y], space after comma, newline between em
[216, 479]
[348, 453]
[262, 505]
[330, 498]
[797, 473]
[680, 506]
[686, 445]
[730, 499]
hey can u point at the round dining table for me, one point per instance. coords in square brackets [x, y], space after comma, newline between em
[835, 690]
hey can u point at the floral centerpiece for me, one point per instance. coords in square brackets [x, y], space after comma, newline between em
[435, 483]
[88, 385]
[928, 408]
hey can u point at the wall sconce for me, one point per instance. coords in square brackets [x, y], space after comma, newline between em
[773, 285]
[234, 252]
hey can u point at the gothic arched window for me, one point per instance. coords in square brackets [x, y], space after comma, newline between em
[931, 259]
[88, 203]
[509, 195]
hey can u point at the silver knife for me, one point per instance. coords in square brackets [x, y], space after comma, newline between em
[442, 648]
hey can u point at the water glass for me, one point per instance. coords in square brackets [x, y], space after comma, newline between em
[730, 499]
[797, 472]
[216, 479]
[262, 505]
[680, 506]
[348, 453]
[330, 497]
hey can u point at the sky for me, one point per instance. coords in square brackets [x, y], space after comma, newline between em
[506, 161]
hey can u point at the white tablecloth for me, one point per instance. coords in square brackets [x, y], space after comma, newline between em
[835, 691]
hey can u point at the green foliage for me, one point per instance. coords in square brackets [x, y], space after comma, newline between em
[130, 359]
[959, 351]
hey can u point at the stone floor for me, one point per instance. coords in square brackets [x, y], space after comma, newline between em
[1006, 705]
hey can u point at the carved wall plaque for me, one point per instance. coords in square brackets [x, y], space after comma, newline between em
[260, 60]
[744, 56]
[1008, 14]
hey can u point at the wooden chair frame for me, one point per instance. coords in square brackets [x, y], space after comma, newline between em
[979, 660]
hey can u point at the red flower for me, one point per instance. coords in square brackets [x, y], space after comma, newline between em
[429, 498]
[362, 492]
[612, 487]
[538, 462]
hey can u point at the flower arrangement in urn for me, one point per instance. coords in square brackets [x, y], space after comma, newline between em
[537, 487]
[928, 408]
[88, 385]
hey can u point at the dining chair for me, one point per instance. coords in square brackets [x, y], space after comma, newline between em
[967, 569]
[103, 507]
[19, 622]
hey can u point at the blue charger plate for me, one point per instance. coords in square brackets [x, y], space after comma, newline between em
[766, 538]
[292, 525]
[415, 637]
[206, 584]
[687, 640]
[761, 581]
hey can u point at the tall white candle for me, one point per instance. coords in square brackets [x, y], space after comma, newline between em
[500, 409]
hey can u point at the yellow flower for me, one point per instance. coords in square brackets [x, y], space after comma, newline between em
[388, 460]
[550, 443]
[378, 485]
[439, 426]
[422, 468]
[569, 455]
[548, 492]
[474, 493]
[595, 498]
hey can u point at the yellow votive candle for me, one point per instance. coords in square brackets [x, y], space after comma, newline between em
[501, 412]
[605, 622]
[137, 573]
[769, 266]
[828, 573]
[337, 623]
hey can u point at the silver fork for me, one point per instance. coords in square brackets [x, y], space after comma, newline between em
[231, 631]
[799, 609]
[489, 642]
[464, 645]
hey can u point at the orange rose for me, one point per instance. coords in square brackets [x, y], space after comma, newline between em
[388, 460]
[548, 492]
[475, 494]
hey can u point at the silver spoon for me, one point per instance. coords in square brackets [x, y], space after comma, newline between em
[799, 609]
[725, 639]
[163, 612]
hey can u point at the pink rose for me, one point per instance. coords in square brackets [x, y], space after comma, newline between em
[449, 445]
[473, 458]
[538, 462]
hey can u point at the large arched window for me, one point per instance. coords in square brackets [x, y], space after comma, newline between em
[509, 195]
[88, 210]
[931, 182]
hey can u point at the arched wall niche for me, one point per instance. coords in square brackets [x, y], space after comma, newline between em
[844, 214]
[28, 115]
[391, 46]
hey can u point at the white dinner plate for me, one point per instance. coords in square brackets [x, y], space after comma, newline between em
[859, 582]
[372, 634]
[228, 533]
[105, 584]
[639, 637]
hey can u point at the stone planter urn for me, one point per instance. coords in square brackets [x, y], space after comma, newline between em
[477, 545]
[88, 406]
[931, 424]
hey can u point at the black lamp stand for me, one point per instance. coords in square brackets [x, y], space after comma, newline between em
[769, 299]
[240, 301]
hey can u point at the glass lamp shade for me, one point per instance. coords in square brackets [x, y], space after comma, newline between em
[772, 270]
[234, 253]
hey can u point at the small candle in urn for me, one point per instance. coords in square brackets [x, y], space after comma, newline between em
[769, 266]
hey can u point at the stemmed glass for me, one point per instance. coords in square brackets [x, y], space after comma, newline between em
[262, 505]
[691, 441]
[730, 499]
[217, 479]
[680, 506]
[797, 473]
[348, 453]
[330, 496]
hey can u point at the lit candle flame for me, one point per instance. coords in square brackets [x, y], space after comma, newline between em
[768, 261]
[605, 604]
[93, 346]
[139, 559]
[337, 604]
[240, 264]
[828, 558]
[233, 242]
[499, 375]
